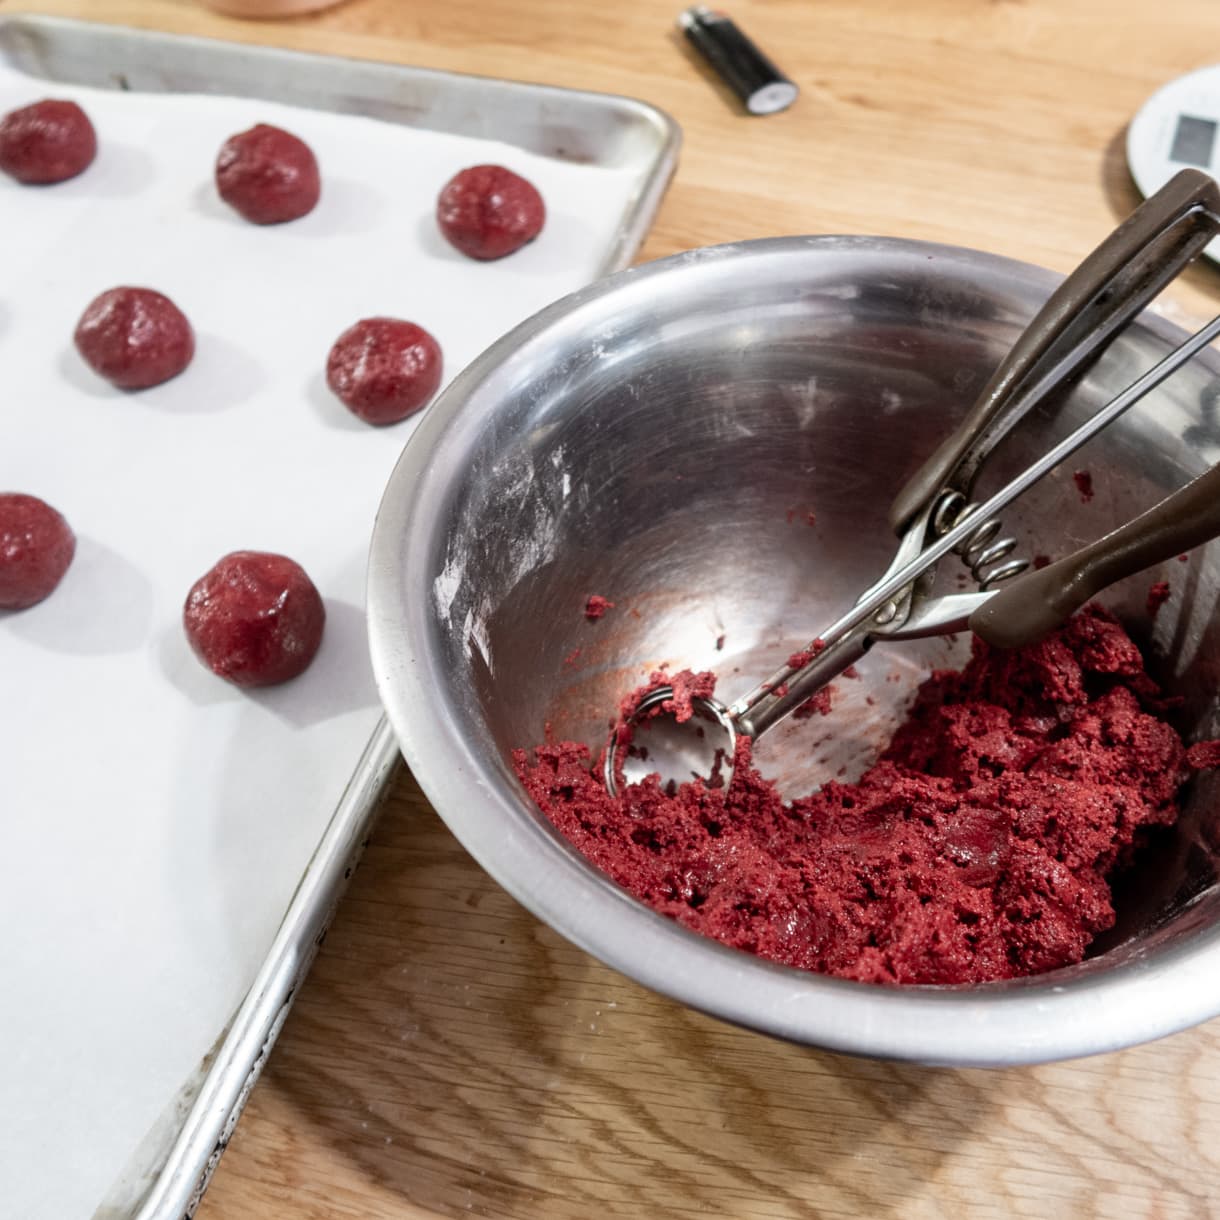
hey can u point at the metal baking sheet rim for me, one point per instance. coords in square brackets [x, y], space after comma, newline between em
[178, 1186]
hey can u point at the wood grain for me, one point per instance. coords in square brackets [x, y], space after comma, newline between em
[451, 1056]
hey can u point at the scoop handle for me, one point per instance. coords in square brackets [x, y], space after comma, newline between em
[1034, 605]
[1129, 268]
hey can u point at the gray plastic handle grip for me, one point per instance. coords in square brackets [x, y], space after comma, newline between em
[1119, 278]
[1038, 602]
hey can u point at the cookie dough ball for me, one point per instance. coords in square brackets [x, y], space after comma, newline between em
[36, 547]
[134, 338]
[255, 619]
[384, 369]
[268, 175]
[50, 141]
[487, 211]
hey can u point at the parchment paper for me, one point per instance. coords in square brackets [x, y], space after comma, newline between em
[153, 820]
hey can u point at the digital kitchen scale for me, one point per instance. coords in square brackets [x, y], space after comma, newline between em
[1178, 125]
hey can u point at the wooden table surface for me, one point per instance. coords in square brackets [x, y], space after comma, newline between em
[449, 1055]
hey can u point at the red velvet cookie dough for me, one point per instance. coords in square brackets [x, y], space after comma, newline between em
[596, 607]
[268, 175]
[36, 548]
[977, 848]
[255, 618]
[1204, 755]
[135, 338]
[487, 211]
[1158, 595]
[384, 369]
[47, 142]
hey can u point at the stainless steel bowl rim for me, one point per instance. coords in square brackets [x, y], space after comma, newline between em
[1026, 1021]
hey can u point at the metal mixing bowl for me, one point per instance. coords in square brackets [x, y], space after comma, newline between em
[660, 438]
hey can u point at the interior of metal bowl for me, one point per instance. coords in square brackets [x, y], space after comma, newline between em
[712, 443]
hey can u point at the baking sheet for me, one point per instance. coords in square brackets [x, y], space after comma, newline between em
[156, 820]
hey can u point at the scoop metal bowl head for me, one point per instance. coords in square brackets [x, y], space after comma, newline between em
[713, 442]
[701, 747]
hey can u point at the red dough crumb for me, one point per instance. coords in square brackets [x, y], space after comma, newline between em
[487, 211]
[268, 175]
[798, 660]
[818, 704]
[36, 547]
[49, 141]
[1041, 561]
[384, 369]
[1203, 755]
[686, 687]
[135, 338]
[1084, 484]
[1158, 595]
[597, 606]
[255, 619]
[978, 847]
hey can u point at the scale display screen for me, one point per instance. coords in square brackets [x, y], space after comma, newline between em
[1193, 141]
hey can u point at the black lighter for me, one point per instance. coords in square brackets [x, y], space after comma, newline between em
[737, 61]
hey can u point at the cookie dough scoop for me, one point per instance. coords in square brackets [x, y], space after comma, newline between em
[934, 514]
